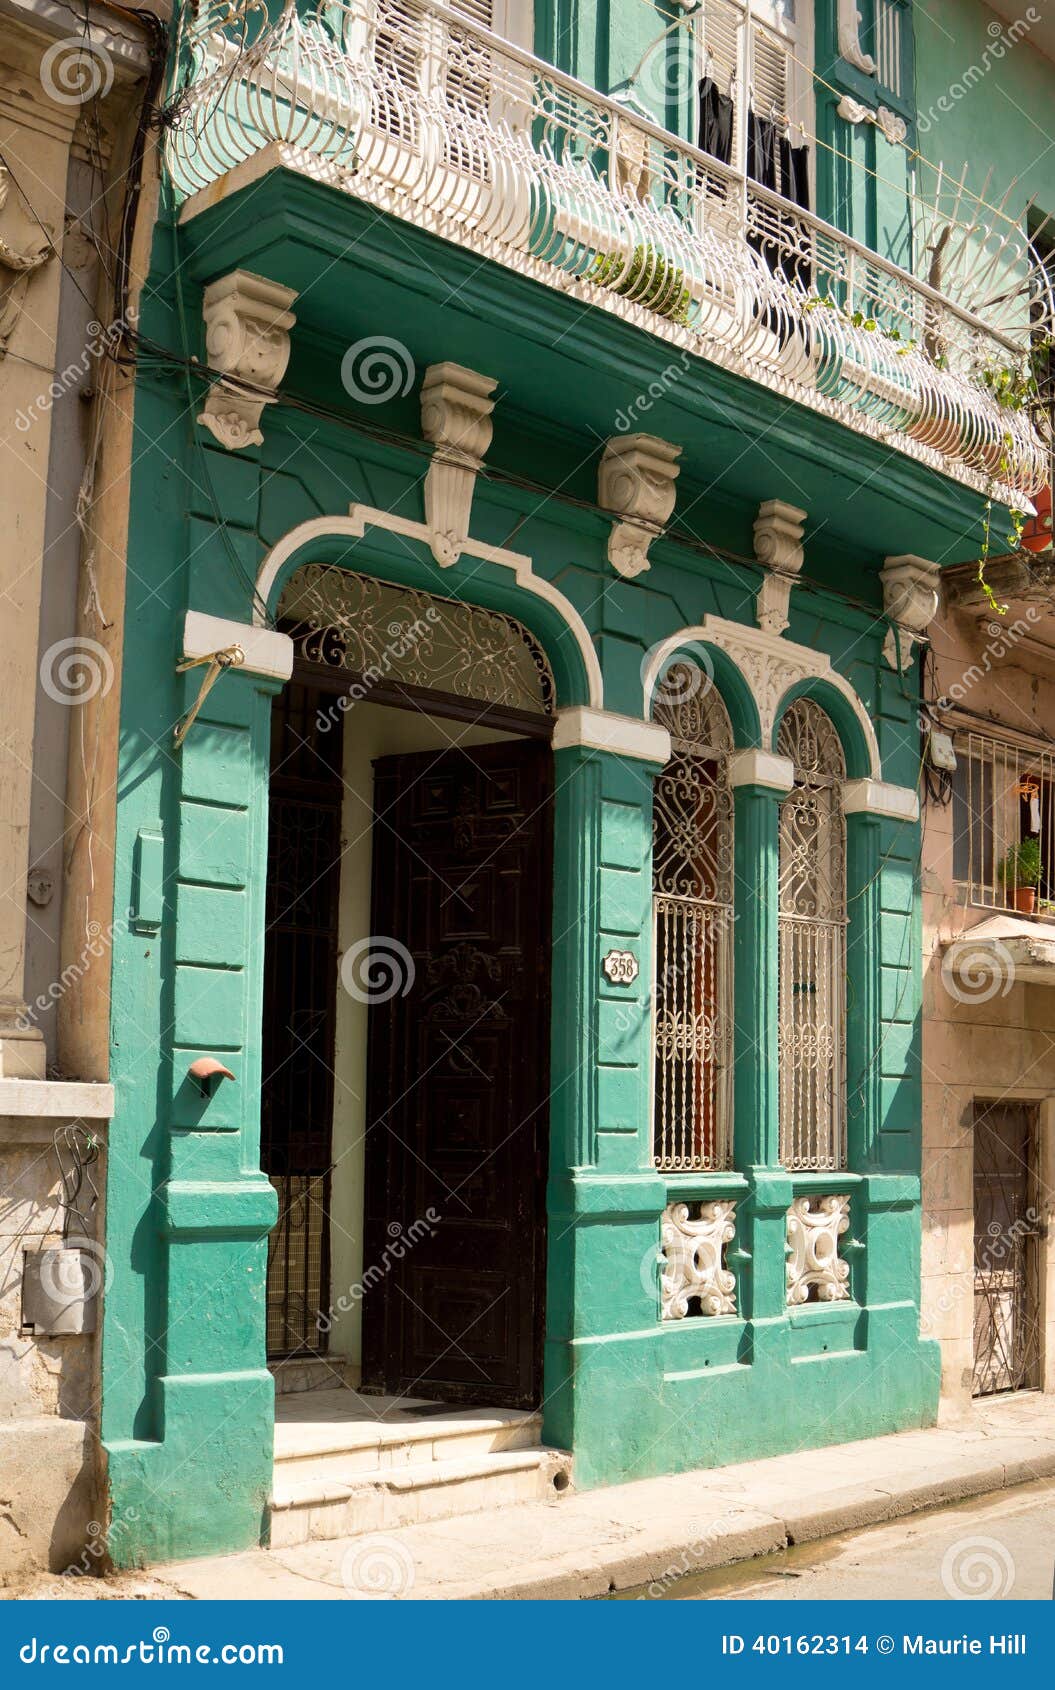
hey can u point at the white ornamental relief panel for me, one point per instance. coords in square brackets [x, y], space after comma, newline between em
[815, 1271]
[692, 1259]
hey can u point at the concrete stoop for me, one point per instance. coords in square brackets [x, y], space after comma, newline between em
[347, 1464]
[647, 1535]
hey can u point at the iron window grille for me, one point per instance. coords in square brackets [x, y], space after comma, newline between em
[692, 905]
[812, 944]
[1002, 794]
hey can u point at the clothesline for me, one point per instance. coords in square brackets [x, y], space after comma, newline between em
[957, 186]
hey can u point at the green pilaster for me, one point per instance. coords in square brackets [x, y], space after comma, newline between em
[210, 1395]
[864, 1031]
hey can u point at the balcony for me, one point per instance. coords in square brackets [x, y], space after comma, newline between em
[414, 110]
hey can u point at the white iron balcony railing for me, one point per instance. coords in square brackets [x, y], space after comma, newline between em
[412, 108]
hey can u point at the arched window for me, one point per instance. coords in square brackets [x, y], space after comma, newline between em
[692, 903]
[812, 944]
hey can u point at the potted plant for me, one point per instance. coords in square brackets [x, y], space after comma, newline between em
[1020, 874]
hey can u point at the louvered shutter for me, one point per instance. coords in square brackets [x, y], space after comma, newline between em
[720, 31]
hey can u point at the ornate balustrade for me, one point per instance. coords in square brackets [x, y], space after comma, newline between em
[410, 107]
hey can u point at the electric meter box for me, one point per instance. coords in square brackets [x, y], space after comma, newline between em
[59, 1284]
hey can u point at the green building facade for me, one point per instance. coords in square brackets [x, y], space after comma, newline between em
[426, 314]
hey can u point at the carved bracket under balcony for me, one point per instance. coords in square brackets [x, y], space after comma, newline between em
[692, 1259]
[247, 325]
[815, 1270]
[635, 481]
[911, 590]
[456, 408]
[778, 544]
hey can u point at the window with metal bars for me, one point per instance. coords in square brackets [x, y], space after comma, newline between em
[1003, 799]
[812, 944]
[692, 904]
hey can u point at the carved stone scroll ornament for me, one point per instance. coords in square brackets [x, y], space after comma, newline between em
[910, 598]
[456, 417]
[247, 324]
[815, 1270]
[893, 127]
[17, 264]
[778, 544]
[691, 1259]
[849, 24]
[636, 482]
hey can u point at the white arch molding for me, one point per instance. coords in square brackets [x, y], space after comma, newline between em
[361, 517]
[769, 665]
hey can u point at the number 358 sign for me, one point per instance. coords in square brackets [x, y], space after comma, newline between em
[620, 967]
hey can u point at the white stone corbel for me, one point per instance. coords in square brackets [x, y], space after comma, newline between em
[893, 127]
[247, 324]
[456, 408]
[849, 27]
[635, 481]
[910, 598]
[778, 544]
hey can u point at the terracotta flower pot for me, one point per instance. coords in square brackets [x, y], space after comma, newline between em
[1024, 899]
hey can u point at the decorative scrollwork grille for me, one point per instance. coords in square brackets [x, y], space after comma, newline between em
[385, 633]
[692, 905]
[812, 944]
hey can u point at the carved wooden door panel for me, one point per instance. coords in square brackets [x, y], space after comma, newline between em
[458, 1085]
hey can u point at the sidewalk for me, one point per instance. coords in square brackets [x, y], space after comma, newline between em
[653, 1532]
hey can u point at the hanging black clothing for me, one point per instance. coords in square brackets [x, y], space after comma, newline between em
[795, 186]
[795, 173]
[762, 155]
[716, 121]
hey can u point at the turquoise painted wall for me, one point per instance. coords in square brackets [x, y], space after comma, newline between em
[187, 1398]
[998, 93]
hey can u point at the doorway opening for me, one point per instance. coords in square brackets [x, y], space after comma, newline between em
[1007, 1234]
[407, 993]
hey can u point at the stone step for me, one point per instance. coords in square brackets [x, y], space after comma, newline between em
[313, 1373]
[304, 1509]
[341, 1435]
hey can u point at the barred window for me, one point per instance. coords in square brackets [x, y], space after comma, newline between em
[692, 903]
[812, 944]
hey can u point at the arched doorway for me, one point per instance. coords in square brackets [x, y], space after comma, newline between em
[406, 1018]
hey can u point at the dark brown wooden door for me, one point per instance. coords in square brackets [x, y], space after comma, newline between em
[458, 1086]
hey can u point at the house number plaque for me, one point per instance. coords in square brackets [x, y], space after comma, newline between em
[620, 967]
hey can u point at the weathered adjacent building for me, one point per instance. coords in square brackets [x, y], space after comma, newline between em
[71, 93]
